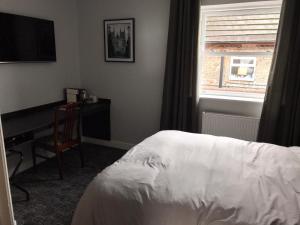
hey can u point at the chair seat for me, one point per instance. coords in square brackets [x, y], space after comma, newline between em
[47, 142]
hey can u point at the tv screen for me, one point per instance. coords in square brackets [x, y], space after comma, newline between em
[26, 39]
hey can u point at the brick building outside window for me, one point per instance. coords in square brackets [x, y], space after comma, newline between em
[237, 51]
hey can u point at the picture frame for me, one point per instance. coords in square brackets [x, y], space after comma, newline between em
[119, 40]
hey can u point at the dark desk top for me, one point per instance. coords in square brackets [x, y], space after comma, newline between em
[28, 120]
[40, 117]
[28, 123]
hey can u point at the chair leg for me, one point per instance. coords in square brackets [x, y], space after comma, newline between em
[11, 179]
[81, 155]
[33, 152]
[59, 161]
[27, 198]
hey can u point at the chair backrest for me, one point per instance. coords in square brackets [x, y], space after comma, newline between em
[67, 124]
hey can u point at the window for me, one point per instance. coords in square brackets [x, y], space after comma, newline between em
[237, 44]
[242, 68]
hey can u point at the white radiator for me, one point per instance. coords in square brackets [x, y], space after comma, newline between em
[240, 127]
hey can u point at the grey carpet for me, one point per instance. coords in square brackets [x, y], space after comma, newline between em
[53, 201]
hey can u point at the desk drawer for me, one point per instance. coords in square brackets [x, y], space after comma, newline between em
[19, 139]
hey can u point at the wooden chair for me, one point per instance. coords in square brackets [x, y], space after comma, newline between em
[66, 135]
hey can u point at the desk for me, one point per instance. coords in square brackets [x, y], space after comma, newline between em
[95, 119]
[21, 126]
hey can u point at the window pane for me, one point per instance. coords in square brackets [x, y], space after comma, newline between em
[219, 79]
[238, 51]
[243, 61]
[237, 61]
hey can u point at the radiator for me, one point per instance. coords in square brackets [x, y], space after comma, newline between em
[234, 126]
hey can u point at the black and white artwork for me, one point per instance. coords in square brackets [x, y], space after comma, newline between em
[119, 40]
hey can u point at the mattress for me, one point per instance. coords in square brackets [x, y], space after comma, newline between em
[178, 178]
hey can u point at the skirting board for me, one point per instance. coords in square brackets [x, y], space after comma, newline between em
[112, 144]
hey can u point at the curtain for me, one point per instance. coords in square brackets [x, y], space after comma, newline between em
[280, 120]
[179, 107]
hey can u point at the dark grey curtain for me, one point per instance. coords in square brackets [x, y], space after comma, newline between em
[280, 121]
[179, 96]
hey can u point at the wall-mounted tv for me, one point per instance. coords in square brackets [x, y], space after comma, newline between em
[26, 39]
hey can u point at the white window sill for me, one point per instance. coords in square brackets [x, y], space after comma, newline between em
[231, 98]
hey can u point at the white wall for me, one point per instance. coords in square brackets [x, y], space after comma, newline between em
[135, 89]
[24, 85]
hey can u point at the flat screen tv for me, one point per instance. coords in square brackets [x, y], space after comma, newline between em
[26, 39]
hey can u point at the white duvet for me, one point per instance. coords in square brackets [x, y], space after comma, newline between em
[177, 178]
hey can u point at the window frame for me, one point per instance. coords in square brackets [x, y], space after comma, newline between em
[228, 10]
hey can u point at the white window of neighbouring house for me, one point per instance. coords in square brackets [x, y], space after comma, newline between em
[237, 42]
[242, 69]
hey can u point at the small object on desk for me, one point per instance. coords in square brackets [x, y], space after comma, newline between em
[83, 95]
[72, 95]
[94, 98]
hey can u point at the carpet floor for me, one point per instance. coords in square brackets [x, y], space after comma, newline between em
[53, 201]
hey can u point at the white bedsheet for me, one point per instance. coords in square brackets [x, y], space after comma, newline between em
[177, 178]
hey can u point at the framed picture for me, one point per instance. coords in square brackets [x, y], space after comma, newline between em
[119, 40]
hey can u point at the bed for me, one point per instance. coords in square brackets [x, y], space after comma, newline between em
[178, 178]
